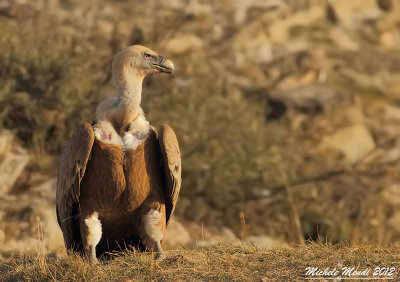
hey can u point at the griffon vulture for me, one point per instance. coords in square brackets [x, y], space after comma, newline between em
[118, 179]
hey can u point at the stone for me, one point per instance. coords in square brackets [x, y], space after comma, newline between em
[343, 40]
[172, 4]
[354, 142]
[2, 236]
[216, 236]
[392, 194]
[227, 236]
[11, 168]
[206, 243]
[176, 234]
[104, 27]
[390, 39]
[43, 204]
[242, 7]
[394, 220]
[197, 8]
[263, 242]
[355, 12]
[30, 215]
[6, 139]
[47, 189]
[279, 29]
[52, 236]
[183, 44]
[298, 95]
[392, 112]
[254, 48]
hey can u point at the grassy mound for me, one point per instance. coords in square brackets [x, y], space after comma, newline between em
[223, 263]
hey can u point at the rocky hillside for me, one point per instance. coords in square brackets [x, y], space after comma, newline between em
[287, 112]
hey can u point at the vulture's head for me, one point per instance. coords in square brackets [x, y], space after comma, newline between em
[136, 62]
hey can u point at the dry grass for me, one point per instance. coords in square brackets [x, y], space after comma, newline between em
[242, 152]
[223, 263]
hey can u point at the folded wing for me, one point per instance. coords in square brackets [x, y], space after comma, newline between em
[72, 167]
[171, 165]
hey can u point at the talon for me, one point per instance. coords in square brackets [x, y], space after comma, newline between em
[159, 256]
[93, 260]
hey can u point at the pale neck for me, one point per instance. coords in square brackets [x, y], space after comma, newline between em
[130, 96]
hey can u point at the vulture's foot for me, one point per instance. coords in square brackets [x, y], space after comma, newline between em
[93, 260]
[159, 255]
[153, 227]
[92, 235]
[92, 256]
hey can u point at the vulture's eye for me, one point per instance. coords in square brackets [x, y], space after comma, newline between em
[147, 56]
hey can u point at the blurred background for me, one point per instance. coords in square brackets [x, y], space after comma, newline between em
[287, 113]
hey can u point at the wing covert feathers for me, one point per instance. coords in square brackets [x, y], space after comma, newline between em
[171, 167]
[71, 169]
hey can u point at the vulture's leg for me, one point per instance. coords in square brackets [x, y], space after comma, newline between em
[153, 227]
[91, 235]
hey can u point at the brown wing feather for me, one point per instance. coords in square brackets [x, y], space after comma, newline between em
[71, 169]
[171, 166]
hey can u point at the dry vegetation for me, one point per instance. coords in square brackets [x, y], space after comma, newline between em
[223, 263]
[237, 262]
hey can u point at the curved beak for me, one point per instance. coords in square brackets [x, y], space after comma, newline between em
[164, 65]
